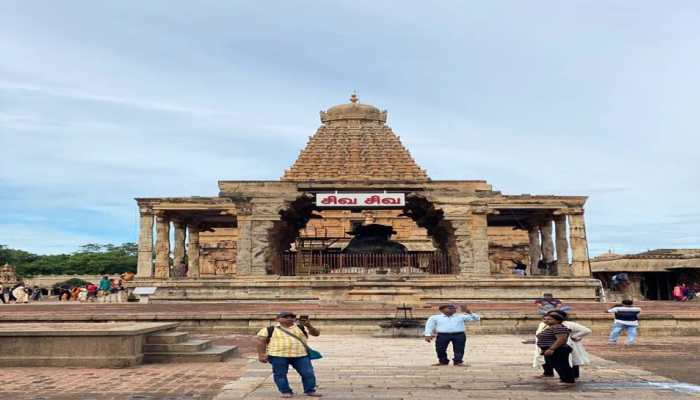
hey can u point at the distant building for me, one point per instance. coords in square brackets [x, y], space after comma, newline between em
[652, 274]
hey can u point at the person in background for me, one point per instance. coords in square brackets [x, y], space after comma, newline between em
[83, 295]
[20, 293]
[105, 286]
[519, 268]
[680, 292]
[11, 293]
[36, 293]
[91, 291]
[2, 294]
[626, 319]
[549, 303]
[116, 285]
[449, 328]
[75, 293]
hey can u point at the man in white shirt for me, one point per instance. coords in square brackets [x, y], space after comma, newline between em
[449, 327]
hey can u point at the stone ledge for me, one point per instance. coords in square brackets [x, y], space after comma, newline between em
[66, 329]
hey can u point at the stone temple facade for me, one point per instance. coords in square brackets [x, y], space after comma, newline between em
[288, 238]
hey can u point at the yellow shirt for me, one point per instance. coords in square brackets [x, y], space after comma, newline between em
[283, 345]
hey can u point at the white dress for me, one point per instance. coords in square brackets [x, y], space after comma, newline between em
[20, 294]
[579, 356]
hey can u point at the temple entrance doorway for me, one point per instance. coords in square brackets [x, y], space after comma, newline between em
[412, 238]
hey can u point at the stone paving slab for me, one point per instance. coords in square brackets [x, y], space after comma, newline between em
[499, 367]
[187, 381]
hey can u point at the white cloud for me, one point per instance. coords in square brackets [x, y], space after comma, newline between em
[598, 100]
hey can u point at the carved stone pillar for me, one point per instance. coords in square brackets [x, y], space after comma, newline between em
[244, 245]
[460, 250]
[261, 257]
[253, 251]
[579, 245]
[193, 251]
[562, 243]
[162, 247]
[547, 243]
[534, 249]
[478, 228]
[144, 264]
[179, 250]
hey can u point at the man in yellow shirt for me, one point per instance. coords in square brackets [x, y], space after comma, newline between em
[283, 345]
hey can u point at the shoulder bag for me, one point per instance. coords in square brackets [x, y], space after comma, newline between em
[313, 354]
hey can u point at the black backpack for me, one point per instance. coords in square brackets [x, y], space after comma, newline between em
[271, 329]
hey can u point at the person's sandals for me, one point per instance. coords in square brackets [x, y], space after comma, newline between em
[313, 394]
[439, 365]
[287, 395]
[460, 365]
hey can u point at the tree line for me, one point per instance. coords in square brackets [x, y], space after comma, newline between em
[91, 259]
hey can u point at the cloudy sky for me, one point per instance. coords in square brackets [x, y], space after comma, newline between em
[101, 102]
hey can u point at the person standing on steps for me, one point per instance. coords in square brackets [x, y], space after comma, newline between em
[449, 327]
[626, 319]
[284, 344]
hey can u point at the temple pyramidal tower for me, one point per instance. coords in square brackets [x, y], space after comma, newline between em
[355, 218]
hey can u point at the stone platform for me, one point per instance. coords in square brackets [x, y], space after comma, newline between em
[658, 317]
[106, 345]
[330, 289]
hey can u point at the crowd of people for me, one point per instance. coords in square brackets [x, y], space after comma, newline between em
[88, 292]
[20, 293]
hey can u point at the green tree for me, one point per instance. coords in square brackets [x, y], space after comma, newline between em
[91, 259]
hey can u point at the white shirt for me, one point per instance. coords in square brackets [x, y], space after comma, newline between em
[441, 323]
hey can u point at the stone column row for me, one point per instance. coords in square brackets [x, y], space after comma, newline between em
[542, 248]
[160, 269]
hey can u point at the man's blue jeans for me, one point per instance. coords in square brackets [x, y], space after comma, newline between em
[617, 330]
[280, 367]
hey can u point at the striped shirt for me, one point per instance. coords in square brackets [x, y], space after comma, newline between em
[548, 336]
[283, 345]
[626, 315]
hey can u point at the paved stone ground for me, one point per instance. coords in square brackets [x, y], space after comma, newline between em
[499, 367]
[188, 381]
[676, 357]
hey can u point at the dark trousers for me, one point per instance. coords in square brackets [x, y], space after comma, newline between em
[549, 370]
[280, 366]
[458, 341]
[559, 361]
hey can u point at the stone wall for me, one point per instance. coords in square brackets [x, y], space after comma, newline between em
[218, 252]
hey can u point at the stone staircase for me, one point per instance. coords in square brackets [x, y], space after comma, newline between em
[177, 347]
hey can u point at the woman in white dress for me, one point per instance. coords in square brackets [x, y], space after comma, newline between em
[20, 294]
[579, 356]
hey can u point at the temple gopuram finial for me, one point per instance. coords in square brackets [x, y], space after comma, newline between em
[353, 97]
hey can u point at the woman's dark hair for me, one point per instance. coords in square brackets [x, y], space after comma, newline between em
[555, 315]
[561, 313]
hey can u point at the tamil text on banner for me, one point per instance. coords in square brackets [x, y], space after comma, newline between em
[360, 200]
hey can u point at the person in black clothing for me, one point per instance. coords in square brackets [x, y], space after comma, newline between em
[552, 343]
